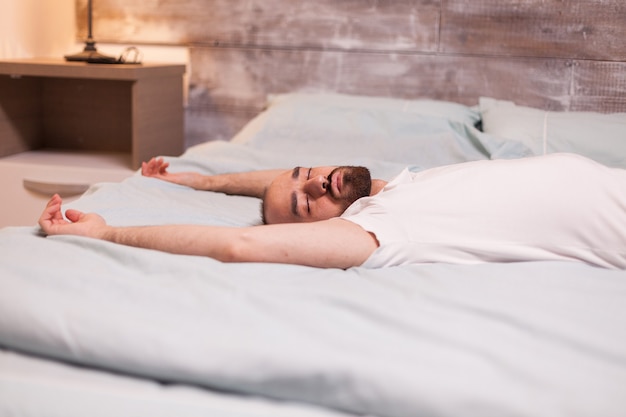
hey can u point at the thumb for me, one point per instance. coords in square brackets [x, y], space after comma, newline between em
[73, 215]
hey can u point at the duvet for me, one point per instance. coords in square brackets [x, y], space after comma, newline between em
[514, 339]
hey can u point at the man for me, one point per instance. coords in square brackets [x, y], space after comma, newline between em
[556, 207]
[311, 196]
[289, 196]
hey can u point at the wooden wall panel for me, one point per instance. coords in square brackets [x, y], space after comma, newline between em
[214, 123]
[581, 29]
[345, 24]
[599, 85]
[551, 54]
[243, 77]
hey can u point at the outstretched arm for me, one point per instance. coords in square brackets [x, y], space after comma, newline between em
[334, 243]
[252, 184]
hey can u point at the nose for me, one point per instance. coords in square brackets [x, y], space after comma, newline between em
[316, 186]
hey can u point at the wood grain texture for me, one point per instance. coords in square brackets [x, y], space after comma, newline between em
[20, 114]
[599, 85]
[244, 77]
[551, 54]
[206, 123]
[346, 24]
[134, 109]
[87, 114]
[586, 29]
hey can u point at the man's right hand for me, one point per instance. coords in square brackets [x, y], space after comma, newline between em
[78, 223]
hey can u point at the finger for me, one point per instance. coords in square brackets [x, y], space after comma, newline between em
[54, 200]
[52, 213]
[149, 168]
[53, 209]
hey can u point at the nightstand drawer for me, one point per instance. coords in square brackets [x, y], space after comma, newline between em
[29, 179]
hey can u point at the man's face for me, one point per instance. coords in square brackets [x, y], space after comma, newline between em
[313, 194]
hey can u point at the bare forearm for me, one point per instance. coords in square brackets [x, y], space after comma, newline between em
[178, 239]
[251, 184]
[350, 245]
[334, 243]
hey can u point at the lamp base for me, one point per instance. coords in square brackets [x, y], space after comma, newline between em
[90, 53]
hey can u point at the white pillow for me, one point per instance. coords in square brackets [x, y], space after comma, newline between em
[420, 132]
[301, 106]
[424, 107]
[601, 137]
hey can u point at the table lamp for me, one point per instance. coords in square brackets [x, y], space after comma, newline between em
[90, 52]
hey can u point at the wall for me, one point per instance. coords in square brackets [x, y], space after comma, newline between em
[30, 28]
[552, 54]
[48, 28]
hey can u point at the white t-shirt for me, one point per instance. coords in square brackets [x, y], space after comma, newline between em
[554, 207]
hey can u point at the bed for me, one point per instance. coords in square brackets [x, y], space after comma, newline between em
[93, 328]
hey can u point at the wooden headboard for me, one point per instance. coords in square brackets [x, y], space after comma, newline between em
[551, 54]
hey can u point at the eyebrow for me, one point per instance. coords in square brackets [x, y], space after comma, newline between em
[294, 198]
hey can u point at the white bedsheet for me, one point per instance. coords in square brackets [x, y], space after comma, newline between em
[32, 386]
[525, 339]
[529, 339]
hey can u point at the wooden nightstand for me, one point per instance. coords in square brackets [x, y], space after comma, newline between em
[67, 125]
[50, 103]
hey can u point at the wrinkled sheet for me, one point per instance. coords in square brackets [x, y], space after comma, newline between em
[524, 339]
[35, 386]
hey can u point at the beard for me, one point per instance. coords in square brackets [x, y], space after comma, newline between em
[356, 183]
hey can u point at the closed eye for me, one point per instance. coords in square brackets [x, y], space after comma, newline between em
[308, 206]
